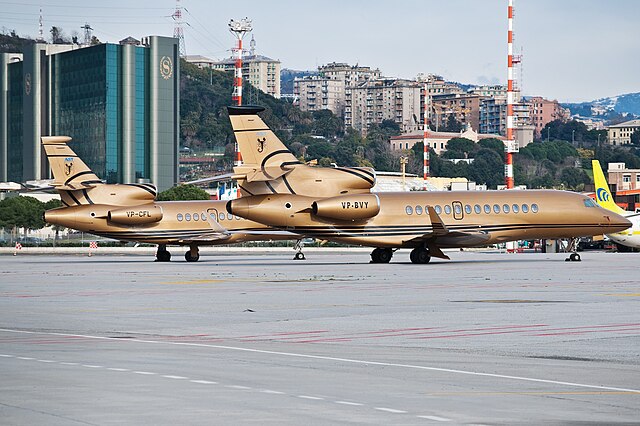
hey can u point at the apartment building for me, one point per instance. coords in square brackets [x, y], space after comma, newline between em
[383, 99]
[620, 134]
[258, 70]
[465, 108]
[313, 93]
[543, 111]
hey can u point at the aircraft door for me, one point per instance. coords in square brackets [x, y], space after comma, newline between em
[457, 210]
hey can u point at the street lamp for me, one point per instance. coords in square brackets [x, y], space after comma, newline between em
[403, 164]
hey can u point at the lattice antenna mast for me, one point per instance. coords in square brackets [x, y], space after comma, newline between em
[239, 29]
[177, 29]
[87, 33]
[426, 136]
[510, 144]
[40, 29]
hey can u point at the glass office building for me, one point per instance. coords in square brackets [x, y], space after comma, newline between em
[119, 103]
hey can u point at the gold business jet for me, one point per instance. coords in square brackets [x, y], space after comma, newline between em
[337, 205]
[129, 212]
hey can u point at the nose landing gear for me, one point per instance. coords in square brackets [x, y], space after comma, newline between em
[299, 245]
[573, 248]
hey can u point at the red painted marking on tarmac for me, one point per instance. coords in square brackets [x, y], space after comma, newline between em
[565, 333]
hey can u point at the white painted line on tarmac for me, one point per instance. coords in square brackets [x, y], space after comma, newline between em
[168, 376]
[435, 418]
[146, 373]
[92, 366]
[26, 358]
[390, 410]
[238, 387]
[273, 392]
[69, 363]
[204, 382]
[315, 398]
[334, 359]
[44, 360]
[6, 356]
[118, 369]
[348, 403]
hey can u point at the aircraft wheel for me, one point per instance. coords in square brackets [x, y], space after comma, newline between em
[575, 257]
[299, 256]
[381, 255]
[420, 255]
[189, 258]
[163, 256]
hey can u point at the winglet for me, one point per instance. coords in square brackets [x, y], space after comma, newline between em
[603, 196]
[438, 226]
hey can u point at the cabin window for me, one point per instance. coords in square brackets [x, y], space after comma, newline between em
[438, 209]
[203, 217]
[477, 209]
[589, 203]
[187, 217]
[496, 208]
[418, 209]
[505, 208]
[237, 217]
[179, 217]
[447, 209]
[525, 208]
[515, 208]
[408, 210]
[487, 208]
[221, 216]
[212, 216]
[467, 209]
[229, 216]
[458, 209]
[196, 216]
[534, 208]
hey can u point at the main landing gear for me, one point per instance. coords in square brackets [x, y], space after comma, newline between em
[163, 255]
[381, 255]
[420, 255]
[299, 245]
[573, 248]
[193, 254]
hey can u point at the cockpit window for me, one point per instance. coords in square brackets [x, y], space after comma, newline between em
[589, 203]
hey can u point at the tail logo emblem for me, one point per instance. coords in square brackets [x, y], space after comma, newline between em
[602, 195]
[261, 142]
[68, 165]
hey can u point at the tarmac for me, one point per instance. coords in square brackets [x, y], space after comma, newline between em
[244, 337]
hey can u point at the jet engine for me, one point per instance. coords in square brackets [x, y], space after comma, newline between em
[136, 215]
[347, 207]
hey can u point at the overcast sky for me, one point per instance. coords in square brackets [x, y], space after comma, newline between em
[573, 50]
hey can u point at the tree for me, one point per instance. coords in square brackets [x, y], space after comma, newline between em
[21, 212]
[452, 125]
[460, 148]
[183, 193]
[635, 137]
[57, 36]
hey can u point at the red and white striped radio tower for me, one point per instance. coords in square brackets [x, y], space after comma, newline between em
[510, 144]
[426, 134]
[239, 29]
[177, 29]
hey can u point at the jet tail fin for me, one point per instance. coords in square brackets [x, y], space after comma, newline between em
[70, 173]
[264, 156]
[603, 196]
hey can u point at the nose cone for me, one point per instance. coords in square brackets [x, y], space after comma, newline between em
[616, 223]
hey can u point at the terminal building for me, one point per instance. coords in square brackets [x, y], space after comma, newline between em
[119, 103]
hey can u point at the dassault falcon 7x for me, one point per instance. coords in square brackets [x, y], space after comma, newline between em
[629, 237]
[282, 193]
[129, 212]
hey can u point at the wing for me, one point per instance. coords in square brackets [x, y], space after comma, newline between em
[441, 236]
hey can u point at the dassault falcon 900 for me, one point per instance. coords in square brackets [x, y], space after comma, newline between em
[129, 212]
[286, 194]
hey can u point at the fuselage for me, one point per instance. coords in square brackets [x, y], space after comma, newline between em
[629, 237]
[182, 222]
[474, 218]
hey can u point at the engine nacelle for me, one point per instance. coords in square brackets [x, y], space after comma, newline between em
[347, 207]
[136, 215]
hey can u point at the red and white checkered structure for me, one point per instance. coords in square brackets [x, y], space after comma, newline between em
[425, 136]
[239, 29]
[510, 144]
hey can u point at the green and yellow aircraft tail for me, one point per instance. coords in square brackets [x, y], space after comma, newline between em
[603, 196]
